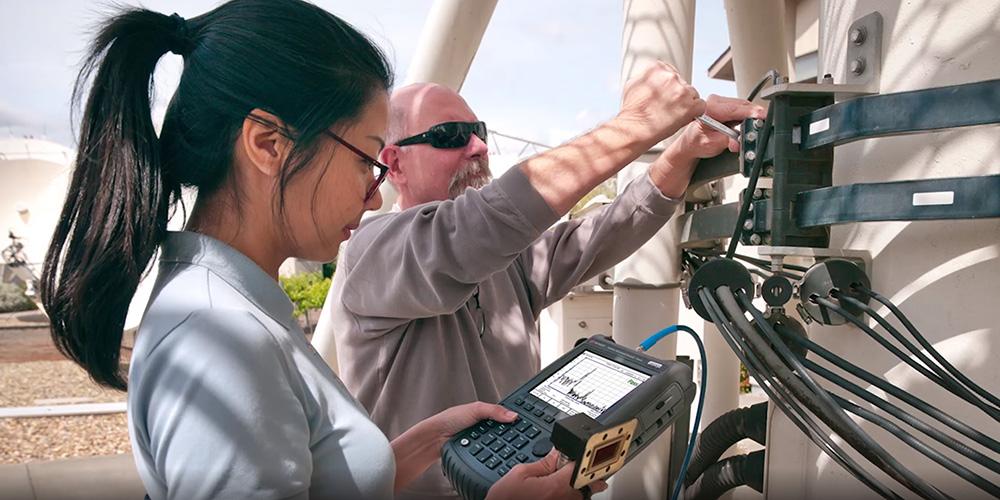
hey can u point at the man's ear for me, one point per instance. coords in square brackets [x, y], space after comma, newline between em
[390, 157]
[265, 143]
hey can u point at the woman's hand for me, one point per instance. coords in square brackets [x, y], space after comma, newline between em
[418, 447]
[449, 422]
[540, 480]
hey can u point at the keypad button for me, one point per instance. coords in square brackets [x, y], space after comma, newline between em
[538, 412]
[476, 448]
[502, 429]
[493, 462]
[510, 436]
[521, 457]
[474, 435]
[541, 448]
[523, 426]
[533, 432]
[519, 401]
[503, 470]
[491, 423]
[549, 419]
[464, 442]
[506, 453]
[484, 455]
[519, 442]
[511, 464]
[489, 438]
[529, 406]
[481, 428]
[497, 446]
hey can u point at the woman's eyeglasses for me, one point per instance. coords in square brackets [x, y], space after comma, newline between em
[379, 169]
[448, 135]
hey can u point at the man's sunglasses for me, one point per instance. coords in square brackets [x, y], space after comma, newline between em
[448, 135]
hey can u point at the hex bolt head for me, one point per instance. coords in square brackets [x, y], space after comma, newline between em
[750, 155]
[748, 224]
[758, 123]
[857, 66]
[755, 239]
[758, 194]
[858, 35]
[751, 136]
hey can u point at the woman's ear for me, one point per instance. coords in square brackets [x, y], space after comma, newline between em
[264, 141]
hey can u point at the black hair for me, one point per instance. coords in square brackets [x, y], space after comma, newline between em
[289, 58]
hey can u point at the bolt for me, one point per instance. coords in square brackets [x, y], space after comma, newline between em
[780, 80]
[582, 324]
[769, 171]
[758, 123]
[758, 194]
[858, 35]
[857, 66]
[755, 239]
[750, 155]
[751, 136]
[748, 224]
[827, 79]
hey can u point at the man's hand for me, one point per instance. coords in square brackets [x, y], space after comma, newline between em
[701, 141]
[541, 480]
[672, 171]
[658, 102]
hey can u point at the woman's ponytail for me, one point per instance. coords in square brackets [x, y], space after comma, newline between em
[116, 210]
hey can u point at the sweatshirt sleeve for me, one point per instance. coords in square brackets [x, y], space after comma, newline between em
[579, 249]
[427, 261]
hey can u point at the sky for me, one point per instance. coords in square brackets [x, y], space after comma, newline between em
[545, 71]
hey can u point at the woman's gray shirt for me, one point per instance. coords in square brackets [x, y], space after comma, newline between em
[226, 397]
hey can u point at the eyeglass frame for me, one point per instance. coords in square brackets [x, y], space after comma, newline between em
[425, 136]
[382, 167]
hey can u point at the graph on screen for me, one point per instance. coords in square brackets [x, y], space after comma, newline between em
[588, 384]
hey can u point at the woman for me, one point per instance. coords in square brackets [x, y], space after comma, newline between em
[226, 397]
[279, 111]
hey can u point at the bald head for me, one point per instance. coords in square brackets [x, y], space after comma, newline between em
[421, 172]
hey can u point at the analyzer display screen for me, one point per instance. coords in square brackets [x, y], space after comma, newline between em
[588, 384]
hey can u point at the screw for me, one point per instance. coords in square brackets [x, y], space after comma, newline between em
[758, 194]
[758, 123]
[755, 239]
[751, 136]
[858, 35]
[781, 79]
[748, 224]
[857, 66]
[582, 324]
[750, 155]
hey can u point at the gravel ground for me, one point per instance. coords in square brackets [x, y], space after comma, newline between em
[24, 384]
[50, 438]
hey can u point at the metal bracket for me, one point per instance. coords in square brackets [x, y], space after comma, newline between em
[864, 52]
[863, 68]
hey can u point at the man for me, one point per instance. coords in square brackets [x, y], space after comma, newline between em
[453, 319]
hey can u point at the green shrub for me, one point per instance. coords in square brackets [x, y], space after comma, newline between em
[12, 299]
[307, 291]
